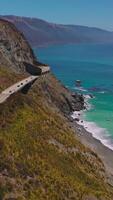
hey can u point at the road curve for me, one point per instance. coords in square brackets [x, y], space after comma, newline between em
[16, 87]
[21, 84]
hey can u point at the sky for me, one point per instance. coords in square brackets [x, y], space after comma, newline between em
[96, 13]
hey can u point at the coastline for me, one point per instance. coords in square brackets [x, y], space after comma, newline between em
[89, 138]
[99, 133]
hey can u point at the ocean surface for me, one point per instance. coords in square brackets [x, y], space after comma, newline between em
[93, 65]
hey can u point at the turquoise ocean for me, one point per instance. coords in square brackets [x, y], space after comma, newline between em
[93, 65]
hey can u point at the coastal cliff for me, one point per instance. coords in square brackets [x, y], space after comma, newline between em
[40, 155]
[16, 54]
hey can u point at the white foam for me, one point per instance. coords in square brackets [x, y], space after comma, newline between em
[86, 102]
[97, 132]
[102, 92]
[87, 96]
[80, 89]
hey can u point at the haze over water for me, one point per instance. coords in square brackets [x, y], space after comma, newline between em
[93, 65]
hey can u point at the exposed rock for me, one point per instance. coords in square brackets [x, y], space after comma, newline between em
[91, 96]
[58, 95]
[15, 51]
[76, 119]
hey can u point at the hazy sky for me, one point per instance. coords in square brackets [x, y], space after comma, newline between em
[97, 13]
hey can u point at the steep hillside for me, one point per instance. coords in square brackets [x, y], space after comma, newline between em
[15, 52]
[39, 32]
[14, 49]
[40, 157]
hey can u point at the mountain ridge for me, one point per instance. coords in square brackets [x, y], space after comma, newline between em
[40, 33]
[18, 18]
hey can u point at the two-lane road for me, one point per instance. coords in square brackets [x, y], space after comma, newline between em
[16, 87]
[21, 84]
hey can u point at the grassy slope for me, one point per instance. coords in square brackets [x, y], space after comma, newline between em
[7, 78]
[40, 157]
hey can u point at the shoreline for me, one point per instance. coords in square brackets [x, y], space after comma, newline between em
[88, 137]
[98, 132]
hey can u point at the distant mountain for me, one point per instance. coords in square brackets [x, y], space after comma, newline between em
[39, 32]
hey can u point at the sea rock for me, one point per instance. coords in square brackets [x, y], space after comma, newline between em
[77, 119]
[91, 96]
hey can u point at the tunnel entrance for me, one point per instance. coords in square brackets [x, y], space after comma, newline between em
[31, 69]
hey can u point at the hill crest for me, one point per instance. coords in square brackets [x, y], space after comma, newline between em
[39, 32]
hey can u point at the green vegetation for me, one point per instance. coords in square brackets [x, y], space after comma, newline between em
[40, 157]
[7, 78]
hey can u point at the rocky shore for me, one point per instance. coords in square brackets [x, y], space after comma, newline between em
[87, 138]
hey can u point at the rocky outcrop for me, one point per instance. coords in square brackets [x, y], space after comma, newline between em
[58, 95]
[15, 51]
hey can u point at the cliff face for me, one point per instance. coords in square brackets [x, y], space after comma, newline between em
[40, 157]
[14, 49]
[39, 32]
